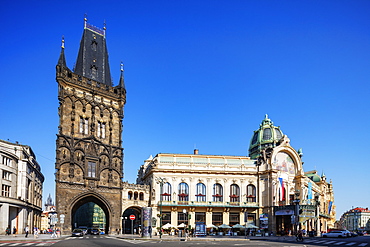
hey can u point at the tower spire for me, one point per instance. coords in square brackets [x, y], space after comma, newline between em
[122, 78]
[62, 59]
[92, 59]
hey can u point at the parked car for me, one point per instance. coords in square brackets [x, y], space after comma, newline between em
[84, 229]
[335, 234]
[353, 234]
[95, 231]
[77, 232]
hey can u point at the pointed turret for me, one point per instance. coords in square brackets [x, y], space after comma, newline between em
[122, 78]
[62, 59]
[92, 60]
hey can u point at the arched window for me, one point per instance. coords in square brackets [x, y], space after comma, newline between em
[217, 193]
[166, 192]
[201, 192]
[129, 195]
[141, 196]
[234, 193]
[251, 193]
[135, 196]
[183, 192]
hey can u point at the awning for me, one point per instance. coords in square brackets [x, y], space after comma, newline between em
[284, 212]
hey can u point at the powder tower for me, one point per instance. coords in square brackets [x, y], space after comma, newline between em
[89, 153]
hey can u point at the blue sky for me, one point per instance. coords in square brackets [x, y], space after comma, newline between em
[203, 74]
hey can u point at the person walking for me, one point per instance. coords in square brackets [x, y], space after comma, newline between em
[7, 231]
[14, 231]
[26, 229]
[35, 232]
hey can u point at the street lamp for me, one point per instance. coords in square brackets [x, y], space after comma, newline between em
[296, 201]
[160, 181]
[318, 225]
[186, 222]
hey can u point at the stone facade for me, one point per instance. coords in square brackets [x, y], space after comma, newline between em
[21, 187]
[89, 153]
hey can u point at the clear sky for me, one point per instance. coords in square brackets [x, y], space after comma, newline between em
[203, 74]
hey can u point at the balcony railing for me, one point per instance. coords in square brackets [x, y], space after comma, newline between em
[209, 204]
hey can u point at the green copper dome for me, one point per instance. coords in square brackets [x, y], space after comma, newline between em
[266, 136]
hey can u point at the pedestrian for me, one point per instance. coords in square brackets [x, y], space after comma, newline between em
[14, 231]
[35, 232]
[7, 231]
[26, 230]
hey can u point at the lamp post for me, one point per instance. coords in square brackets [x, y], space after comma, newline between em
[318, 225]
[124, 225]
[296, 218]
[160, 181]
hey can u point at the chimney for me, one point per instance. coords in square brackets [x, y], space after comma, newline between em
[196, 151]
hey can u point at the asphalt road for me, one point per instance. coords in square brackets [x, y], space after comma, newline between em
[112, 241]
[92, 241]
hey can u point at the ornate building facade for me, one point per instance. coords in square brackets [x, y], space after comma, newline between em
[89, 153]
[21, 187]
[269, 189]
[356, 220]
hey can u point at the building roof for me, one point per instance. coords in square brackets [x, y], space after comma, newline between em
[92, 60]
[267, 135]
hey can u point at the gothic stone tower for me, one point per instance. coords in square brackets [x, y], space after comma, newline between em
[89, 153]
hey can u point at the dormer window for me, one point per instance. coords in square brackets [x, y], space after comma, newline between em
[267, 134]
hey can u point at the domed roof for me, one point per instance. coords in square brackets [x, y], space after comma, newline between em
[266, 136]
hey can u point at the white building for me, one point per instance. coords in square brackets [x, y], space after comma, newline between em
[269, 189]
[21, 187]
[356, 219]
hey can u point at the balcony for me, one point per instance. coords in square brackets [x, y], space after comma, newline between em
[209, 204]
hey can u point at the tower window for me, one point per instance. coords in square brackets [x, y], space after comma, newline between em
[91, 169]
[101, 130]
[84, 126]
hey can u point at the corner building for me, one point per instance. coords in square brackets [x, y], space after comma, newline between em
[89, 153]
[21, 187]
[269, 189]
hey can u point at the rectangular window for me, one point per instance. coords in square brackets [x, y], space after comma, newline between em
[7, 161]
[5, 190]
[182, 218]
[217, 219]
[200, 217]
[6, 175]
[91, 169]
[166, 218]
[234, 218]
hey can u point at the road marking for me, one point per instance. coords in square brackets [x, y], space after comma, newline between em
[15, 244]
[40, 244]
[352, 243]
[363, 244]
[339, 243]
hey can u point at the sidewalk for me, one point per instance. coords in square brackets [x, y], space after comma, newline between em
[206, 238]
[30, 237]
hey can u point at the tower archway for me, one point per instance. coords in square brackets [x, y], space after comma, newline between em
[90, 212]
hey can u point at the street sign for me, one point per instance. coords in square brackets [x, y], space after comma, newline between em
[132, 217]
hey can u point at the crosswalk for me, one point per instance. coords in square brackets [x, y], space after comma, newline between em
[334, 242]
[36, 243]
[136, 241]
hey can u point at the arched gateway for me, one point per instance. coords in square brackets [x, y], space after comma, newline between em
[89, 153]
